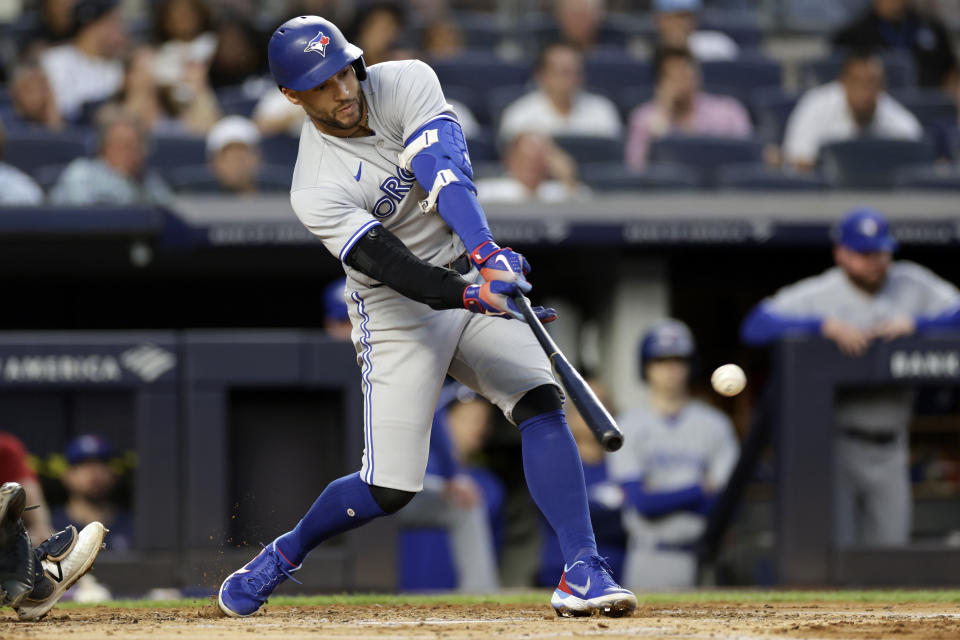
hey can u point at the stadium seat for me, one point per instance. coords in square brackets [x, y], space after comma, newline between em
[171, 152]
[759, 177]
[200, 179]
[771, 107]
[871, 163]
[480, 70]
[47, 175]
[30, 150]
[705, 153]
[471, 99]
[480, 30]
[899, 68]
[610, 71]
[928, 178]
[236, 101]
[280, 150]
[500, 98]
[932, 107]
[740, 25]
[608, 177]
[482, 148]
[591, 149]
[743, 75]
[632, 97]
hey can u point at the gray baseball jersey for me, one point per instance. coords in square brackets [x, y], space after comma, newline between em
[341, 188]
[698, 446]
[910, 289]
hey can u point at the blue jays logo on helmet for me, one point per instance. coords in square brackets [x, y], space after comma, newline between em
[318, 45]
[292, 43]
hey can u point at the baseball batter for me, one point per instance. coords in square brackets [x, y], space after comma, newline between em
[864, 298]
[678, 454]
[383, 179]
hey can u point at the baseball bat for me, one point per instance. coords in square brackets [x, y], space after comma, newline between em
[601, 423]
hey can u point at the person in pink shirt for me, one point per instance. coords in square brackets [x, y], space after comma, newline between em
[680, 107]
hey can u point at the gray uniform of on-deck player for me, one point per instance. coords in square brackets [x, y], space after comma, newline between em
[696, 447]
[872, 485]
[341, 188]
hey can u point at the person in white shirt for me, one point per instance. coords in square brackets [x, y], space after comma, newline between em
[88, 69]
[559, 105]
[118, 175]
[16, 187]
[676, 23]
[536, 169]
[854, 105]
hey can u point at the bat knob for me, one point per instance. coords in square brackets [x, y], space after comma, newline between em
[612, 441]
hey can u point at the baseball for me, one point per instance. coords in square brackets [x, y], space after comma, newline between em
[728, 380]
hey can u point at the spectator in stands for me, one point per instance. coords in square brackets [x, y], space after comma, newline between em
[680, 107]
[16, 187]
[376, 28]
[88, 69]
[606, 502]
[580, 21]
[866, 297]
[678, 455]
[233, 151]
[239, 56]
[90, 483]
[183, 33]
[855, 105]
[118, 175]
[32, 104]
[676, 23]
[443, 39]
[559, 105]
[190, 107]
[14, 467]
[536, 169]
[55, 26]
[895, 24]
[336, 318]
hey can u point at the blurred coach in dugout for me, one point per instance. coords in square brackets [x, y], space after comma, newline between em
[865, 297]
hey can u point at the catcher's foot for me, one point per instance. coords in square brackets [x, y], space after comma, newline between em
[247, 589]
[16, 553]
[61, 560]
[587, 587]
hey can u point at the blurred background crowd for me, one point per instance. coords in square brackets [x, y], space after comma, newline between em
[134, 100]
[127, 102]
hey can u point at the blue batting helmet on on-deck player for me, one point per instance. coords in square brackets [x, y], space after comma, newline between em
[305, 51]
[665, 339]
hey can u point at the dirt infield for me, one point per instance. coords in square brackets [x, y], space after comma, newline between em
[429, 622]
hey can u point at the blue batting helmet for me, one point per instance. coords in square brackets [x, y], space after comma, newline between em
[307, 50]
[666, 339]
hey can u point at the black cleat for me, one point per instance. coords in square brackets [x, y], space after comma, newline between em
[17, 562]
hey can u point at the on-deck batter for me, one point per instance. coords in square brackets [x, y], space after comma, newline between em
[383, 178]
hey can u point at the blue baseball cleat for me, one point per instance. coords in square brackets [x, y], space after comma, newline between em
[247, 589]
[587, 587]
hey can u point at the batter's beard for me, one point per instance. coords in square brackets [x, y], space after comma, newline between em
[331, 121]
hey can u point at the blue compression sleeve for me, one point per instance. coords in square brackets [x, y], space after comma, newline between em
[442, 462]
[661, 503]
[947, 320]
[457, 202]
[763, 325]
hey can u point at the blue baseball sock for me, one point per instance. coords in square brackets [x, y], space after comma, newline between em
[345, 504]
[554, 474]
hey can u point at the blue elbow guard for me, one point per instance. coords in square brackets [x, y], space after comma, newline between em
[437, 155]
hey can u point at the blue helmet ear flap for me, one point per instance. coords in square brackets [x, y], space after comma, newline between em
[360, 67]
